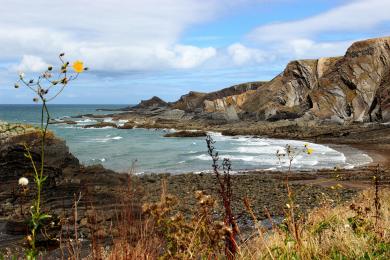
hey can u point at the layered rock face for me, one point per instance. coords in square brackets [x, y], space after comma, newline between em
[351, 88]
[354, 87]
[218, 101]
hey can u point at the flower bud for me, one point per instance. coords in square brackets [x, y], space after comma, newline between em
[62, 54]
[35, 100]
[50, 68]
[64, 80]
[16, 86]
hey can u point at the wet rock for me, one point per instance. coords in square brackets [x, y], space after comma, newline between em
[101, 125]
[68, 122]
[127, 125]
[186, 134]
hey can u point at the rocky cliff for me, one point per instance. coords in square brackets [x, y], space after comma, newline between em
[66, 178]
[354, 87]
[351, 88]
[216, 101]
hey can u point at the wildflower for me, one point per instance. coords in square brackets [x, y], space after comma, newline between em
[23, 181]
[21, 75]
[309, 150]
[78, 66]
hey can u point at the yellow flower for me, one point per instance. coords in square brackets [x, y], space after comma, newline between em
[78, 66]
[310, 150]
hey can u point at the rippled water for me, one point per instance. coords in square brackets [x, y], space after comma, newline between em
[118, 148]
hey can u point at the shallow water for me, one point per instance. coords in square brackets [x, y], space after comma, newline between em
[118, 148]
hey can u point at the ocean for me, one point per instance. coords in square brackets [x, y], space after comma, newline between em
[151, 152]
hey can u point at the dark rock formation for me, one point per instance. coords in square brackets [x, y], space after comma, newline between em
[187, 134]
[101, 125]
[127, 125]
[154, 102]
[67, 122]
[100, 188]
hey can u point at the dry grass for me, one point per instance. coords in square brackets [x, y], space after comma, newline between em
[358, 230]
[351, 231]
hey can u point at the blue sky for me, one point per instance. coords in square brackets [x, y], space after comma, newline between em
[137, 49]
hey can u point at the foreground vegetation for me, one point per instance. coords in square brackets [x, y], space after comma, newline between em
[355, 230]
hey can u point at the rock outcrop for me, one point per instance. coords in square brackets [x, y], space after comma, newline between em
[154, 102]
[351, 88]
[66, 178]
[217, 101]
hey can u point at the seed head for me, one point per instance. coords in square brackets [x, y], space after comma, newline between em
[23, 181]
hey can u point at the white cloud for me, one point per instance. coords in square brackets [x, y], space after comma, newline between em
[309, 49]
[183, 57]
[356, 16]
[107, 34]
[31, 63]
[305, 38]
[241, 54]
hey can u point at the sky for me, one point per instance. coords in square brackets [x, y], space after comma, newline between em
[166, 48]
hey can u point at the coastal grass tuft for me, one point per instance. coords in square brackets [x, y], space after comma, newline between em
[349, 231]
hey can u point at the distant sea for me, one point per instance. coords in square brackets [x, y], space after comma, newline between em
[116, 148]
